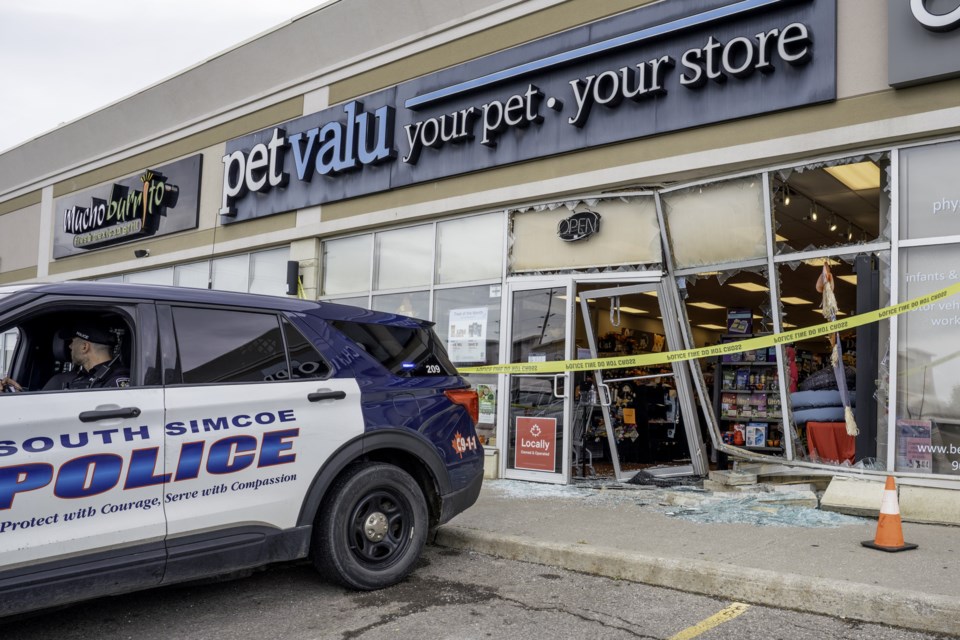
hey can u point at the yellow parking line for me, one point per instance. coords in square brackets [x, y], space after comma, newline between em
[715, 620]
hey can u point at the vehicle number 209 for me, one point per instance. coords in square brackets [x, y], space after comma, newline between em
[434, 369]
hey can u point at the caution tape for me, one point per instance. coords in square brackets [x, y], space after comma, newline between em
[750, 344]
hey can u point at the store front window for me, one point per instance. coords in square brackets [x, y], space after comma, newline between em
[415, 304]
[928, 351]
[468, 323]
[346, 265]
[716, 223]
[404, 258]
[834, 204]
[470, 249]
[153, 276]
[230, 274]
[195, 275]
[740, 277]
[743, 387]
[609, 233]
[258, 272]
[411, 262]
[928, 368]
[836, 404]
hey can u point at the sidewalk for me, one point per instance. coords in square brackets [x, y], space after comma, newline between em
[671, 538]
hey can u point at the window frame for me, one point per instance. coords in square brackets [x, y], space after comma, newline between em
[173, 374]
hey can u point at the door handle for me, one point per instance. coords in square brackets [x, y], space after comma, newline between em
[605, 395]
[108, 414]
[558, 378]
[317, 396]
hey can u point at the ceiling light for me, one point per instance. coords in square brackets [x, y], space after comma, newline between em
[851, 279]
[712, 327]
[857, 177]
[633, 310]
[786, 196]
[704, 305]
[813, 212]
[780, 238]
[787, 325]
[849, 233]
[833, 223]
[794, 300]
[841, 313]
[650, 293]
[749, 286]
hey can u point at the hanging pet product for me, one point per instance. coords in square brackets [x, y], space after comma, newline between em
[829, 308]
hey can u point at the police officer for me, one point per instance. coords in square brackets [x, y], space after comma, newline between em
[91, 353]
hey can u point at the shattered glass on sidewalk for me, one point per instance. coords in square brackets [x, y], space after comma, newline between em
[760, 509]
[763, 506]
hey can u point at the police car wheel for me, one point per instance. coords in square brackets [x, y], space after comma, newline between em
[372, 528]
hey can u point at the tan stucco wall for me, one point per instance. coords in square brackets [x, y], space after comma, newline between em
[19, 238]
[554, 19]
[861, 47]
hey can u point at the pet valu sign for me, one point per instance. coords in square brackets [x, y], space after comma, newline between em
[155, 201]
[663, 67]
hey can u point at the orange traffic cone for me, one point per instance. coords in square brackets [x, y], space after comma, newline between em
[889, 532]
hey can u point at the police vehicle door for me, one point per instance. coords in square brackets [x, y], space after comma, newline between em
[244, 439]
[80, 470]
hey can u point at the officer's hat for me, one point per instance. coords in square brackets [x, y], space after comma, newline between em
[90, 333]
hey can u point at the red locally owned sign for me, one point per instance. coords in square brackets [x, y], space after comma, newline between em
[536, 441]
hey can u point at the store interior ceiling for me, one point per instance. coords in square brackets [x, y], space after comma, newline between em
[809, 203]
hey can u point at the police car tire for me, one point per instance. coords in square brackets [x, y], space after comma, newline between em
[370, 499]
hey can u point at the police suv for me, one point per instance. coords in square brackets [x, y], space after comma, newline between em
[247, 430]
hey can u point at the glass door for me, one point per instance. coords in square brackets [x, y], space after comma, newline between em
[537, 413]
[649, 419]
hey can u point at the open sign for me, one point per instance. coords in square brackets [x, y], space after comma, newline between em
[579, 226]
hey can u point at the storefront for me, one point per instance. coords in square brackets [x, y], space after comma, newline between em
[613, 184]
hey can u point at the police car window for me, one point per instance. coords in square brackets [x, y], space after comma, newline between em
[404, 351]
[219, 346]
[305, 361]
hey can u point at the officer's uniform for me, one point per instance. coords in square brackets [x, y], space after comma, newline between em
[102, 376]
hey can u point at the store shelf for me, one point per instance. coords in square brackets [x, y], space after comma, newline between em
[742, 388]
[752, 363]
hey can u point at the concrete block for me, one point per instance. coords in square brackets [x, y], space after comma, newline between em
[930, 505]
[491, 464]
[790, 488]
[712, 485]
[796, 498]
[733, 478]
[853, 496]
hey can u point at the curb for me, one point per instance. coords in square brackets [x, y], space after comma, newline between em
[821, 596]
